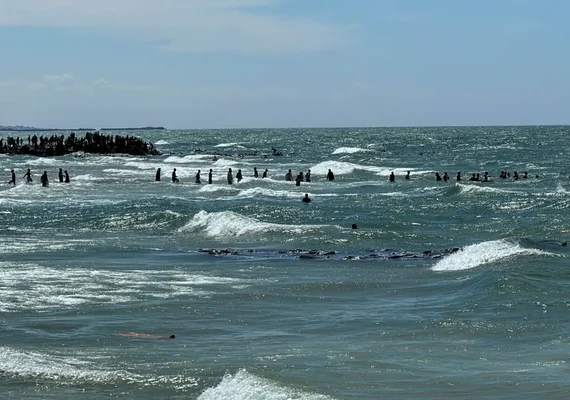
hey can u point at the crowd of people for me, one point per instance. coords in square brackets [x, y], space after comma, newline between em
[44, 180]
[92, 142]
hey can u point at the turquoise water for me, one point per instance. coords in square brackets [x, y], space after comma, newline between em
[371, 316]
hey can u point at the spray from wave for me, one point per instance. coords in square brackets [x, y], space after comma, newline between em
[231, 224]
[245, 386]
[476, 255]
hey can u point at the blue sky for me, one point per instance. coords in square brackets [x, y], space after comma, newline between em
[283, 63]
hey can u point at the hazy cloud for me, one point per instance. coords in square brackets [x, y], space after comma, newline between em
[245, 26]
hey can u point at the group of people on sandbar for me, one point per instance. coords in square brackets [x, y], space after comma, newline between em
[44, 180]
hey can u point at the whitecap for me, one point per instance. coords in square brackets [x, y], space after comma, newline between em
[484, 253]
[244, 385]
[161, 143]
[348, 150]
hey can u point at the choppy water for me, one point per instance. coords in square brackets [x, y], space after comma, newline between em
[114, 251]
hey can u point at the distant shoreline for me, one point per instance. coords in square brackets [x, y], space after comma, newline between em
[32, 129]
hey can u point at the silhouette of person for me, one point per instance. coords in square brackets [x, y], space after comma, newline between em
[330, 175]
[210, 176]
[239, 176]
[230, 177]
[392, 177]
[13, 180]
[157, 177]
[174, 177]
[289, 176]
[265, 173]
[60, 174]
[28, 176]
[255, 174]
[66, 176]
[407, 176]
[300, 178]
[198, 181]
[306, 199]
[308, 176]
[458, 176]
[44, 179]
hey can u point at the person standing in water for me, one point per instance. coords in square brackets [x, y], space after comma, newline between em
[289, 176]
[265, 173]
[174, 177]
[407, 176]
[66, 176]
[330, 175]
[306, 199]
[392, 177]
[230, 177]
[210, 176]
[13, 180]
[255, 174]
[44, 179]
[239, 176]
[299, 179]
[198, 181]
[157, 177]
[308, 176]
[60, 174]
[28, 176]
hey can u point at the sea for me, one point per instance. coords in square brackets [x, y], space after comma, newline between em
[455, 289]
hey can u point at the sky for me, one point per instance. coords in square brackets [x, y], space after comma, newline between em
[283, 63]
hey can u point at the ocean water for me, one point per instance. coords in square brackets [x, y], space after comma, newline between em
[290, 302]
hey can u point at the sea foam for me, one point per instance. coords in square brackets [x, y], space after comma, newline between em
[348, 150]
[476, 255]
[244, 385]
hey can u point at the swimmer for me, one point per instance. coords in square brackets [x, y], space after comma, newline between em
[265, 173]
[255, 174]
[407, 176]
[66, 176]
[458, 176]
[306, 199]
[392, 177]
[157, 177]
[289, 176]
[44, 179]
[330, 175]
[143, 335]
[13, 180]
[230, 177]
[239, 176]
[300, 178]
[308, 176]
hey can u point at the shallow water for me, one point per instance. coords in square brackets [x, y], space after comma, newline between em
[114, 251]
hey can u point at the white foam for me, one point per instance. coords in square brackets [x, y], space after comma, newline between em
[231, 224]
[344, 168]
[36, 288]
[161, 143]
[262, 192]
[481, 188]
[226, 144]
[348, 150]
[66, 370]
[476, 255]
[187, 159]
[246, 386]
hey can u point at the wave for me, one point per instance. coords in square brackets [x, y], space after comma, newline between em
[244, 385]
[348, 150]
[262, 192]
[461, 188]
[344, 168]
[476, 255]
[226, 144]
[162, 143]
[187, 159]
[231, 224]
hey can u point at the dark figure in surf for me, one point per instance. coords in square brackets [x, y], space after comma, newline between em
[306, 199]
[300, 178]
[308, 176]
[392, 177]
[445, 177]
[198, 181]
[230, 177]
[174, 177]
[265, 173]
[210, 176]
[486, 177]
[60, 175]
[330, 175]
[438, 177]
[28, 176]
[255, 174]
[66, 176]
[516, 176]
[525, 176]
[407, 176]
[44, 179]
[157, 176]
[473, 178]
[13, 180]
[459, 176]
[289, 176]
[239, 176]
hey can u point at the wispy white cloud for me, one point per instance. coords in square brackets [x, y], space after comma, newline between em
[245, 26]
